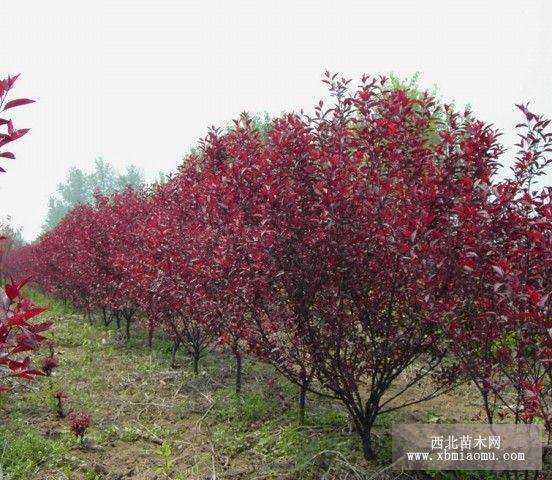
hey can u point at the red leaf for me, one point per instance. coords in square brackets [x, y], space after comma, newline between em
[535, 297]
[11, 80]
[12, 290]
[18, 102]
[19, 133]
[535, 235]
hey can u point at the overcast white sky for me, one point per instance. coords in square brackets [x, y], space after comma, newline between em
[140, 81]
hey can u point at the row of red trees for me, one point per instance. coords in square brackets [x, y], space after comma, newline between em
[368, 242]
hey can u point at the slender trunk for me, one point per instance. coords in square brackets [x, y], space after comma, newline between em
[118, 319]
[150, 335]
[302, 402]
[363, 428]
[367, 447]
[104, 315]
[487, 405]
[60, 412]
[238, 372]
[196, 363]
[127, 332]
[176, 345]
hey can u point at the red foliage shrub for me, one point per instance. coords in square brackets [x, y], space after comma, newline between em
[18, 334]
[335, 239]
[502, 329]
[79, 424]
[343, 248]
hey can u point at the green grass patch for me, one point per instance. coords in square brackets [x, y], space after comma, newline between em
[258, 422]
[22, 453]
[56, 307]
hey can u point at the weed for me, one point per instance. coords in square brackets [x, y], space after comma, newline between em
[166, 468]
[247, 408]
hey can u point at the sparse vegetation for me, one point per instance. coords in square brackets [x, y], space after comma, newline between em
[139, 403]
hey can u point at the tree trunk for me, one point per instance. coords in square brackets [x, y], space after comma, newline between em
[487, 405]
[59, 408]
[104, 314]
[118, 318]
[302, 402]
[238, 372]
[150, 335]
[176, 345]
[127, 332]
[196, 363]
[367, 447]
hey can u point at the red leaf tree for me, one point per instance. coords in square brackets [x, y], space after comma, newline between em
[502, 328]
[338, 235]
[171, 267]
[368, 242]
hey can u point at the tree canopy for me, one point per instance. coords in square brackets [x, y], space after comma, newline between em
[80, 187]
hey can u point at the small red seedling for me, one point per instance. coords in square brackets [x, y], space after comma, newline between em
[79, 424]
[48, 364]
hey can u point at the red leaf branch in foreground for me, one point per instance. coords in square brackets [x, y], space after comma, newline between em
[18, 335]
[11, 134]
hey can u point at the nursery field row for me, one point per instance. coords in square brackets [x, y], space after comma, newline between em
[149, 419]
[369, 253]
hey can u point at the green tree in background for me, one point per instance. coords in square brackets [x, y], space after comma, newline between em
[413, 89]
[13, 234]
[79, 188]
[132, 176]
